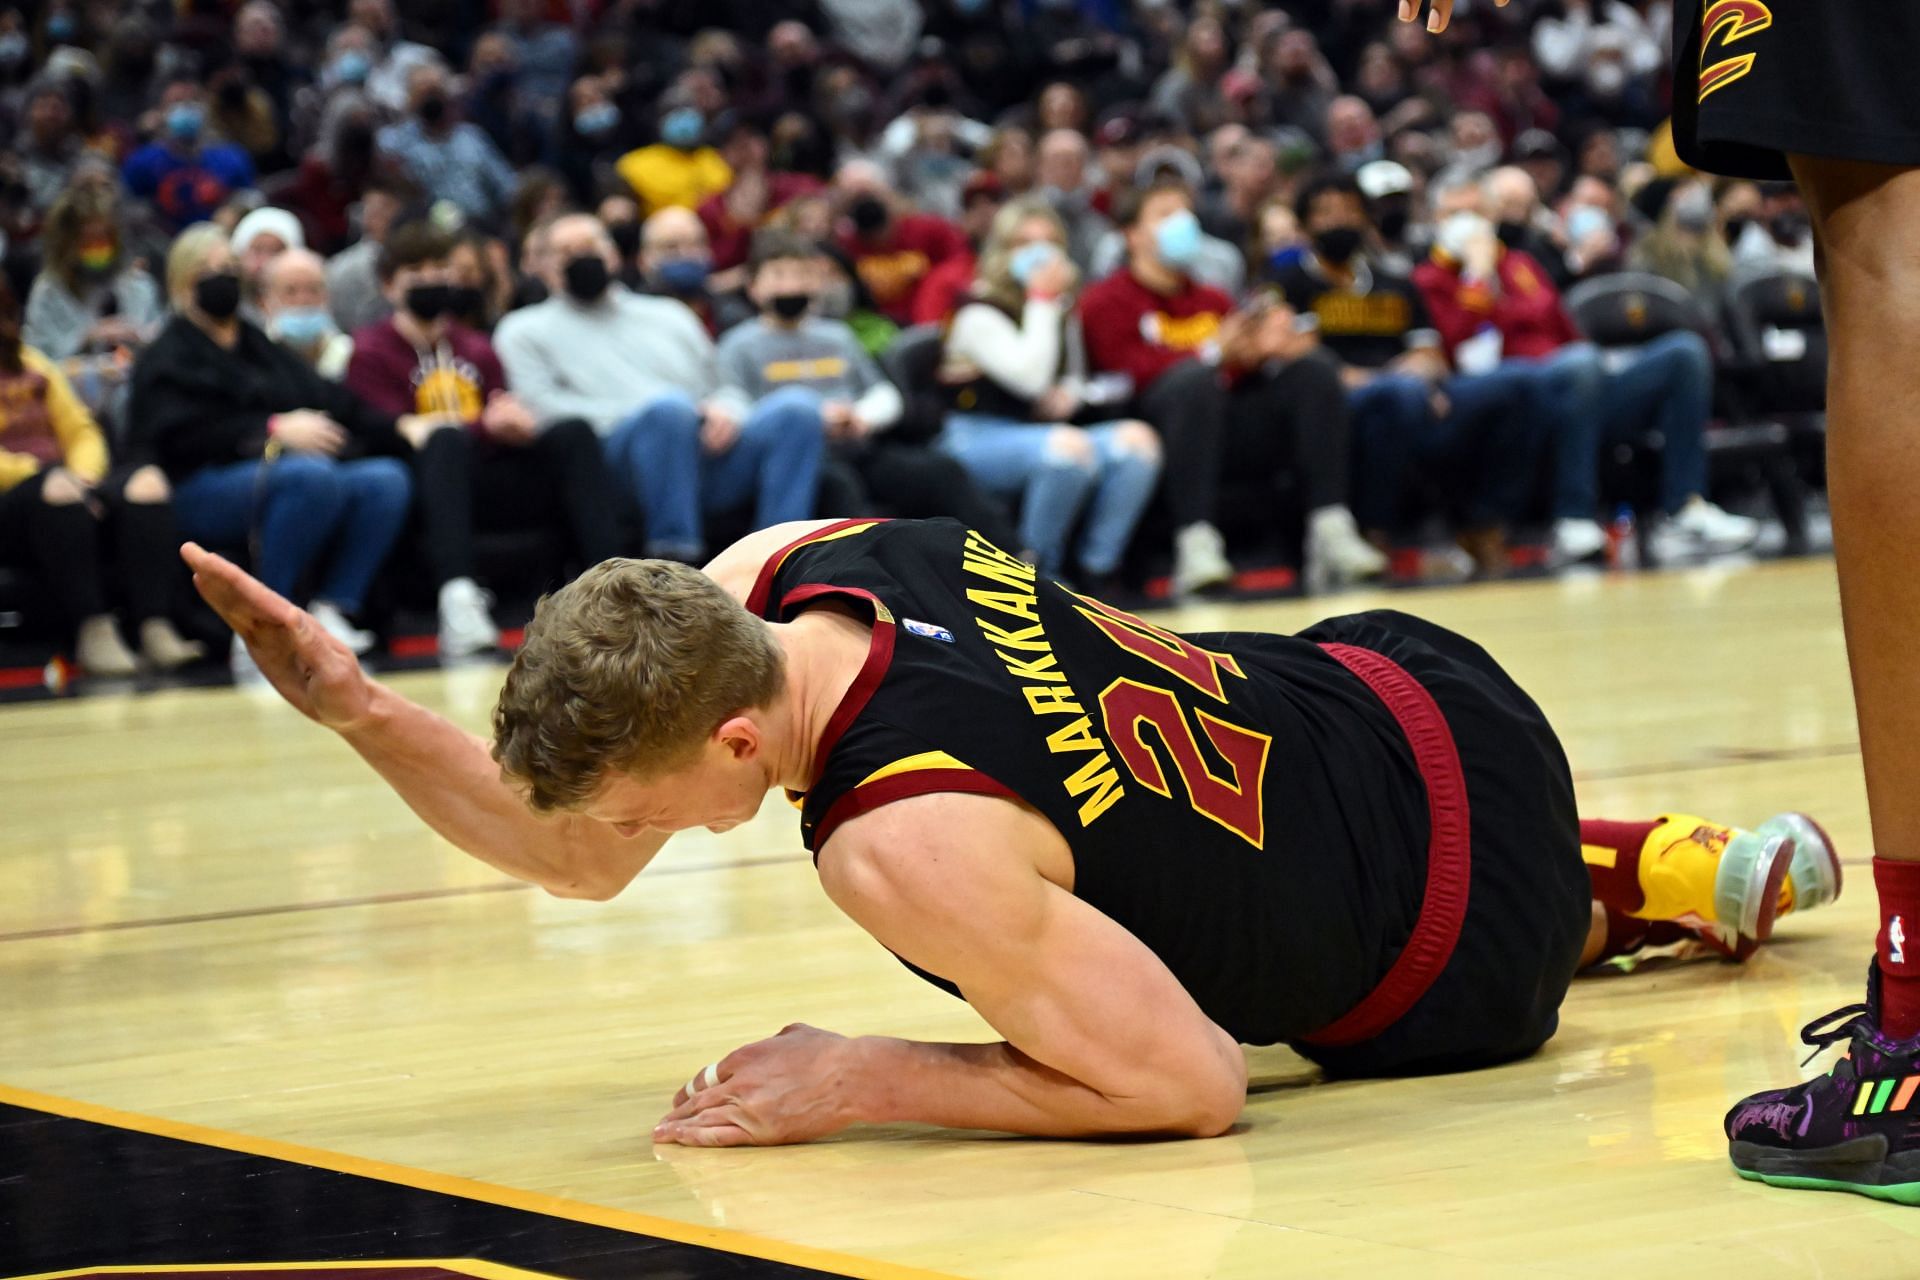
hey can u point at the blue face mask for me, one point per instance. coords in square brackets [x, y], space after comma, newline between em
[302, 326]
[682, 128]
[1177, 239]
[352, 67]
[60, 28]
[184, 121]
[596, 120]
[683, 275]
[1029, 258]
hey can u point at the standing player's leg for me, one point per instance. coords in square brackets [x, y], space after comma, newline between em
[1853, 1128]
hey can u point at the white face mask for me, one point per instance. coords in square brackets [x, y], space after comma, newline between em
[1607, 79]
[1460, 231]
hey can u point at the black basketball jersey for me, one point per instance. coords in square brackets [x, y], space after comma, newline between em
[1240, 802]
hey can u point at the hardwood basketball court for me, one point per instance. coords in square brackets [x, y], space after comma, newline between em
[217, 917]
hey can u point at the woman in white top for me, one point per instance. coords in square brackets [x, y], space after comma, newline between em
[1013, 366]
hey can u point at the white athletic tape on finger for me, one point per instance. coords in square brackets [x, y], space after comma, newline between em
[710, 1076]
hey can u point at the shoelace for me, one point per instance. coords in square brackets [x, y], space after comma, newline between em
[1822, 1033]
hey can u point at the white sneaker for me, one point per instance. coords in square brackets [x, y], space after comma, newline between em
[1199, 559]
[466, 628]
[1715, 532]
[1576, 541]
[335, 624]
[1337, 555]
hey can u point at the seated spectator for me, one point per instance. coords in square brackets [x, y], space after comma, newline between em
[1411, 412]
[353, 275]
[184, 174]
[1352, 134]
[259, 238]
[1590, 227]
[330, 178]
[1249, 176]
[843, 296]
[1781, 238]
[495, 465]
[1016, 391]
[680, 170]
[642, 372]
[57, 496]
[262, 451]
[1216, 263]
[293, 311]
[619, 213]
[755, 191]
[1060, 170]
[943, 288]
[49, 144]
[791, 351]
[1495, 305]
[1226, 389]
[1524, 223]
[1687, 245]
[479, 280]
[394, 58]
[92, 307]
[675, 263]
[892, 247]
[454, 160]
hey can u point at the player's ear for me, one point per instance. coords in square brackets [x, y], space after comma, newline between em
[740, 737]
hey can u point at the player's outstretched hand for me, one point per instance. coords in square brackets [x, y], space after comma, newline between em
[789, 1088]
[1438, 16]
[311, 669]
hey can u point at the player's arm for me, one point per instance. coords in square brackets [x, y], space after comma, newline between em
[445, 774]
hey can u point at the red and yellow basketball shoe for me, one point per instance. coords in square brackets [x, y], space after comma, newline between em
[1723, 884]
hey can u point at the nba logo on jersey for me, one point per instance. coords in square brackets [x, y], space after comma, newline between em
[927, 629]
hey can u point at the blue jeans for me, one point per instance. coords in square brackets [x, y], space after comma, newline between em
[1009, 457]
[1487, 443]
[298, 505]
[775, 464]
[1666, 388]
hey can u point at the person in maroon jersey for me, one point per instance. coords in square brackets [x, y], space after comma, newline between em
[1374, 858]
[1823, 94]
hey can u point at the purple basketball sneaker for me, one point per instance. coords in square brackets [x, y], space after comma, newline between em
[1857, 1128]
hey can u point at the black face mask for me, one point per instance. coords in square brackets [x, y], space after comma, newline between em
[1512, 234]
[1337, 244]
[869, 215]
[790, 306]
[587, 277]
[1393, 225]
[433, 108]
[218, 296]
[626, 238]
[1737, 227]
[467, 302]
[428, 302]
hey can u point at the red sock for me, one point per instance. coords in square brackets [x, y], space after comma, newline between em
[1898, 884]
[1617, 888]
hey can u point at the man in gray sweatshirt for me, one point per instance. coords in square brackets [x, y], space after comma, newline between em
[642, 371]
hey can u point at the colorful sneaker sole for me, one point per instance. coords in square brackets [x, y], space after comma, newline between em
[1861, 1166]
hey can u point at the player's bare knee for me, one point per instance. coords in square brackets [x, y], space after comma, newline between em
[147, 487]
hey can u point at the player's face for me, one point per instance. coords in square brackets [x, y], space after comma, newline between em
[720, 790]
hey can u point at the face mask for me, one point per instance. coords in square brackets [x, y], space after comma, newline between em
[1737, 227]
[587, 277]
[789, 306]
[466, 302]
[626, 238]
[303, 326]
[1337, 244]
[1393, 225]
[218, 296]
[60, 28]
[1584, 221]
[1459, 232]
[428, 302]
[1693, 210]
[433, 108]
[1177, 240]
[869, 215]
[597, 120]
[1512, 234]
[682, 275]
[13, 49]
[1607, 79]
[682, 128]
[352, 67]
[98, 259]
[184, 121]
[1029, 258]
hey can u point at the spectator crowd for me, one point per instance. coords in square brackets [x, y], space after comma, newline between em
[1129, 285]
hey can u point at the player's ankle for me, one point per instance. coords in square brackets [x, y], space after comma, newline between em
[1898, 946]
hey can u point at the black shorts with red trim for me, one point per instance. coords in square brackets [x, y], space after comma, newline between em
[1758, 80]
[1529, 902]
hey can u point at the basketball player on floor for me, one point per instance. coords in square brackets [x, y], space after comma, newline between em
[1131, 851]
[1822, 94]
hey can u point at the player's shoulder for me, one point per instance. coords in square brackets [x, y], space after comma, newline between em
[922, 846]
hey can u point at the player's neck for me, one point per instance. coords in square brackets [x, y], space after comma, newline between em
[824, 651]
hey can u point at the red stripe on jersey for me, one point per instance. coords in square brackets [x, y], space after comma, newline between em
[763, 584]
[872, 671]
[920, 782]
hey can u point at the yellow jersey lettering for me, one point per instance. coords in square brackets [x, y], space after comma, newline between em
[1018, 604]
[1052, 699]
[1100, 777]
[1077, 736]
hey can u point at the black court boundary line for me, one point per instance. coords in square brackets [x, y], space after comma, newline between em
[1713, 760]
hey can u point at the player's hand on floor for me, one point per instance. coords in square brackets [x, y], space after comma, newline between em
[790, 1088]
[312, 670]
[1438, 17]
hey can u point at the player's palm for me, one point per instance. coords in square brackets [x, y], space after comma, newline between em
[311, 669]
